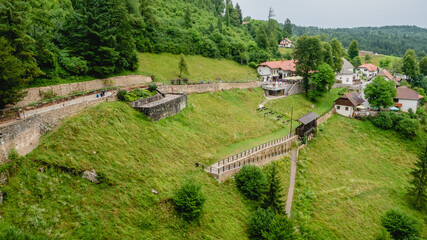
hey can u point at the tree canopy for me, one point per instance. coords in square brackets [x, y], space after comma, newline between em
[353, 49]
[410, 65]
[380, 93]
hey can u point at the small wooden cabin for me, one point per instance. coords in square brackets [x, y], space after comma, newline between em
[308, 124]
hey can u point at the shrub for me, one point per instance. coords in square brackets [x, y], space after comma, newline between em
[260, 223]
[152, 87]
[384, 121]
[251, 182]
[189, 201]
[130, 97]
[412, 114]
[141, 93]
[252, 65]
[280, 228]
[408, 127]
[400, 225]
[121, 94]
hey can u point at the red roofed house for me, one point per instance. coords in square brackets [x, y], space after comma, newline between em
[272, 71]
[346, 105]
[407, 98]
[367, 70]
[285, 43]
[387, 75]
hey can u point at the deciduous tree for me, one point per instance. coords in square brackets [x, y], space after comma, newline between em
[182, 66]
[308, 56]
[423, 66]
[410, 65]
[380, 93]
[337, 55]
[287, 28]
[322, 80]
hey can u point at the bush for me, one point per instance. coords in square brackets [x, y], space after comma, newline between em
[152, 87]
[252, 65]
[260, 223]
[408, 127]
[130, 97]
[251, 182]
[280, 228]
[121, 95]
[189, 201]
[384, 120]
[141, 93]
[400, 225]
[412, 114]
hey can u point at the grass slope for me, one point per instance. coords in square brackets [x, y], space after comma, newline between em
[375, 58]
[165, 67]
[354, 172]
[137, 156]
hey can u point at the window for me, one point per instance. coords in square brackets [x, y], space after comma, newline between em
[338, 107]
[346, 108]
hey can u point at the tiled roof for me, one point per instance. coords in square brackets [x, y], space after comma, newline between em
[407, 93]
[306, 119]
[386, 74]
[346, 68]
[354, 98]
[284, 65]
[371, 67]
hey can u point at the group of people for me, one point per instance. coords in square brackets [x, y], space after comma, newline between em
[102, 94]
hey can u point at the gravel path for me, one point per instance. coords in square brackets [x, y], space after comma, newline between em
[294, 159]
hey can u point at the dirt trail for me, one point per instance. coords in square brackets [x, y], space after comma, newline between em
[294, 159]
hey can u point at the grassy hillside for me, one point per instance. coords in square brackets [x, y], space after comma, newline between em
[284, 51]
[165, 67]
[375, 59]
[136, 156]
[349, 176]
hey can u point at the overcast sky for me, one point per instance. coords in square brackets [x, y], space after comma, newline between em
[340, 13]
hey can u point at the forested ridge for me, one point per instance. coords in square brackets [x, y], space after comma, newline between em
[389, 40]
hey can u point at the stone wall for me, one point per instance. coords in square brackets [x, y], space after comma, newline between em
[325, 117]
[35, 94]
[201, 88]
[297, 88]
[24, 135]
[167, 106]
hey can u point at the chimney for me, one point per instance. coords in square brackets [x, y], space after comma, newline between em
[283, 59]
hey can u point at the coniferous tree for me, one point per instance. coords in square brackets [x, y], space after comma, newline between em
[274, 195]
[410, 65]
[271, 13]
[287, 28]
[14, 23]
[182, 66]
[423, 66]
[353, 49]
[239, 14]
[418, 190]
[227, 13]
[219, 24]
[11, 75]
[308, 56]
[187, 18]
[337, 55]
[262, 37]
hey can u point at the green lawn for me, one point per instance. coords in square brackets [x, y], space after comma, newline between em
[375, 59]
[284, 51]
[165, 67]
[283, 107]
[136, 156]
[349, 176]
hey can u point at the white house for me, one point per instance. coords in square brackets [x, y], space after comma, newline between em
[347, 104]
[407, 98]
[346, 76]
[367, 70]
[286, 43]
[273, 71]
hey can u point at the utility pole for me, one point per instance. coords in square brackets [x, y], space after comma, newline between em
[292, 113]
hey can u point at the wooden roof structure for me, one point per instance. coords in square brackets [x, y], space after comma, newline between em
[308, 118]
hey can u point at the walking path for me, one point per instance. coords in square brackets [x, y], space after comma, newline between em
[294, 159]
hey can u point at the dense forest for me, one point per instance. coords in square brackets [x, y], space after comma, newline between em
[389, 40]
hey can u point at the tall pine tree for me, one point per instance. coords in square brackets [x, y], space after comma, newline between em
[353, 50]
[14, 23]
[418, 190]
[287, 28]
[274, 195]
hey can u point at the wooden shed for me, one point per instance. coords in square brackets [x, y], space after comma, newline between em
[308, 124]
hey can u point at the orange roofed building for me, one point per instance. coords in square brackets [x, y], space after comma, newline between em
[274, 71]
[367, 70]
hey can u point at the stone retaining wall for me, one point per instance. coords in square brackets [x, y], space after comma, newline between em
[211, 87]
[24, 135]
[35, 94]
[164, 107]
